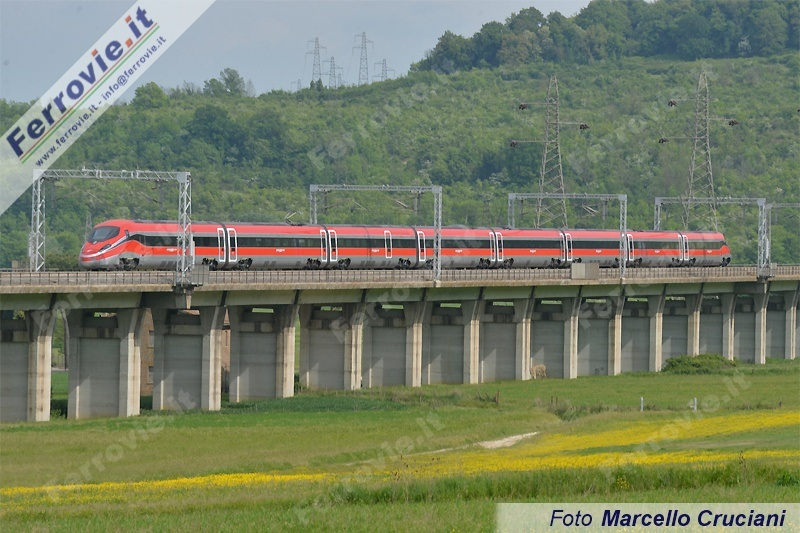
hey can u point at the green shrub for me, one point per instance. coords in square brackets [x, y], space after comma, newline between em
[707, 363]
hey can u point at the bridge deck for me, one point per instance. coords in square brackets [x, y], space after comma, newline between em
[152, 281]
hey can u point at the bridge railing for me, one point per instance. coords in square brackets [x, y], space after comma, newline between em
[750, 271]
[785, 270]
[166, 280]
[289, 277]
[55, 278]
[298, 277]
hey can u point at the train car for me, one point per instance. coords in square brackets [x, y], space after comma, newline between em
[656, 249]
[464, 247]
[379, 247]
[675, 249]
[706, 248]
[270, 247]
[126, 245]
[592, 246]
[531, 248]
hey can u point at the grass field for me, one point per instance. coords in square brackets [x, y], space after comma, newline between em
[403, 459]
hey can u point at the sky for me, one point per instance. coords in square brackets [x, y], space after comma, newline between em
[266, 41]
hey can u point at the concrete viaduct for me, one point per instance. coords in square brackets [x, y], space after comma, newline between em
[373, 328]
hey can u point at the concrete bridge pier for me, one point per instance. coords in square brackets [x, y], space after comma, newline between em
[187, 363]
[451, 347]
[599, 340]
[760, 303]
[554, 330]
[523, 311]
[655, 311]
[792, 328]
[615, 336]
[746, 324]
[331, 343]
[694, 306]
[104, 362]
[262, 352]
[572, 309]
[417, 316]
[471, 312]
[679, 310]
[781, 320]
[505, 341]
[728, 304]
[25, 360]
[393, 341]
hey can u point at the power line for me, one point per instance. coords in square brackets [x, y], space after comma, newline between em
[316, 69]
[363, 69]
[551, 175]
[700, 185]
[334, 80]
[384, 75]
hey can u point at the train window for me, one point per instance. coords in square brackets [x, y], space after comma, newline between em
[656, 245]
[590, 245]
[249, 242]
[404, 243]
[705, 245]
[205, 242]
[465, 243]
[161, 240]
[354, 242]
[531, 244]
[266, 242]
[103, 233]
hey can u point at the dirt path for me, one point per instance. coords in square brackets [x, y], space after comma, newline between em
[505, 442]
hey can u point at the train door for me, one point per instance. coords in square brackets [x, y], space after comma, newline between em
[233, 246]
[631, 249]
[499, 238]
[221, 245]
[323, 247]
[684, 249]
[334, 246]
[422, 254]
[387, 243]
[492, 248]
[566, 252]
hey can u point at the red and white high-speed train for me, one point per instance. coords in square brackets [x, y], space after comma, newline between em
[129, 244]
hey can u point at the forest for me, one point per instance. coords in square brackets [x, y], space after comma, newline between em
[624, 69]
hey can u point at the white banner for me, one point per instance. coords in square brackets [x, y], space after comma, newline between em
[86, 90]
[610, 517]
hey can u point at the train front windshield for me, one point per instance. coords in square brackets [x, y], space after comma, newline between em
[103, 233]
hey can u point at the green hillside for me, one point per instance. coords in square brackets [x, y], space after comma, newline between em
[252, 158]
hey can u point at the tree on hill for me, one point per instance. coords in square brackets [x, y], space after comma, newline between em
[229, 83]
[609, 29]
